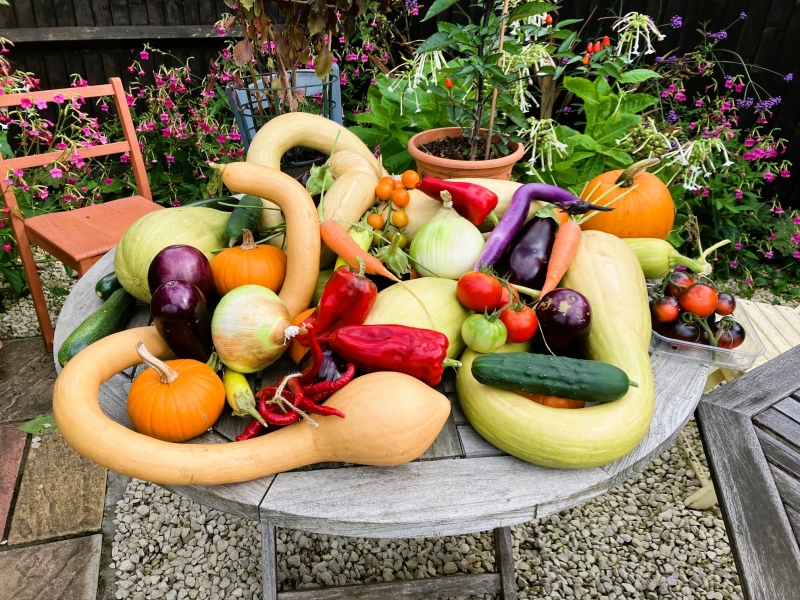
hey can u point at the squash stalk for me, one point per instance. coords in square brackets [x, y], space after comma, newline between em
[626, 177]
[166, 374]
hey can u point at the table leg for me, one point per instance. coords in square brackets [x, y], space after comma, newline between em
[269, 565]
[504, 563]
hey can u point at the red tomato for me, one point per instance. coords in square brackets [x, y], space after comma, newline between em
[506, 297]
[479, 291]
[700, 299]
[726, 304]
[521, 324]
[665, 309]
[679, 281]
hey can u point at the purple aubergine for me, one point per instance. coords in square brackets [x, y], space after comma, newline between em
[565, 320]
[332, 367]
[517, 212]
[182, 263]
[182, 319]
[525, 260]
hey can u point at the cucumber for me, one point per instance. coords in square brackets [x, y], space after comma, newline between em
[107, 286]
[588, 380]
[109, 318]
[216, 203]
[244, 218]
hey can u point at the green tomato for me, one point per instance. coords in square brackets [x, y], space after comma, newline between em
[402, 243]
[482, 335]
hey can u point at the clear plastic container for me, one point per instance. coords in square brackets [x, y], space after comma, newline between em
[739, 359]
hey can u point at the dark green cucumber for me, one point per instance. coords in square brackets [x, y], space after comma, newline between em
[109, 318]
[107, 286]
[244, 218]
[217, 203]
[588, 380]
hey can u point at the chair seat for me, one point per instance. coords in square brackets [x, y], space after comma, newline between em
[78, 235]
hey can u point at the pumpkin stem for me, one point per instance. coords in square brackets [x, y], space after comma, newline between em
[248, 242]
[165, 373]
[626, 178]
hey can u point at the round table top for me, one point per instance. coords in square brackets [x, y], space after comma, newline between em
[461, 484]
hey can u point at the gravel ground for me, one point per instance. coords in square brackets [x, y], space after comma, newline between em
[19, 319]
[636, 541]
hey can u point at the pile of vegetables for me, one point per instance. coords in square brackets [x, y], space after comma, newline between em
[530, 292]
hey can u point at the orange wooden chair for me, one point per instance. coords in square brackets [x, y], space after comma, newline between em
[80, 237]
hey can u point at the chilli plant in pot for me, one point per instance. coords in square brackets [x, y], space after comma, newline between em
[481, 71]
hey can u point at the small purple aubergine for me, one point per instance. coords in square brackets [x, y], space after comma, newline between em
[525, 260]
[565, 320]
[182, 263]
[182, 319]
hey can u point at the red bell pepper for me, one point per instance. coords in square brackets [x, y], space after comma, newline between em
[421, 353]
[473, 202]
[346, 300]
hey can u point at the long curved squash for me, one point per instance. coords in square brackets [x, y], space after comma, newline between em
[391, 419]
[302, 231]
[600, 434]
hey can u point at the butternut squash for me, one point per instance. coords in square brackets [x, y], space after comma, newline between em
[600, 434]
[391, 419]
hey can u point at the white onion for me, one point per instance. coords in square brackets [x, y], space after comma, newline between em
[447, 246]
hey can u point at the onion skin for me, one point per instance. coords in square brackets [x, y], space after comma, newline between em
[182, 263]
[181, 317]
[446, 246]
[565, 320]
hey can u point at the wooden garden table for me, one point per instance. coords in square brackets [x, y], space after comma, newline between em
[462, 484]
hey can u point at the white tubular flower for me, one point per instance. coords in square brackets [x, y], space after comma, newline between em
[634, 27]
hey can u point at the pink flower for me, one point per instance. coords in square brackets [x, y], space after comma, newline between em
[164, 117]
[356, 73]
[18, 172]
[104, 107]
[778, 211]
[739, 87]
[56, 173]
[692, 125]
[6, 182]
[41, 104]
[796, 254]
[2, 224]
[738, 195]
[706, 192]
[786, 173]
[738, 245]
[221, 138]
[108, 181]
[176, 202]
[364, 58]
[7, 247]
[769, 176]
[165, 133]
[665, 94]
[58, 99]
[170, 158]
[123, 158]
[728, 83]
[144, 55]
[698, 103]
[26, 103]
[44, 194]
[768, 254]
[749, 142]
[734, 264]
[6, 211]
[129, 99]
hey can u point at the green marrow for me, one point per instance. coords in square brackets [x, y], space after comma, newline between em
[107, 285]
[588, 380]
[244, 218]
[109, 318]
[223, 203]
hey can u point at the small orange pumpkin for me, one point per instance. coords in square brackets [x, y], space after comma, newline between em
[249, 264]
[175, 400]
[644, 211]
[296, 350]
[553, 401]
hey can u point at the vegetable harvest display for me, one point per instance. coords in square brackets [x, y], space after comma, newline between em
[546, 321]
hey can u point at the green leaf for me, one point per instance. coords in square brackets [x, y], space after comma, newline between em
[612, 70]
[436, 42]
[603, 89]
[634, 103]
[39, 425]
[616, 128]
[437, 7]
[15, 280]
[530, 9]
[590, 169]
[5, 149]
[638, 75]
[582, 88]
[618, 159]
[564, 47]
[320, 179]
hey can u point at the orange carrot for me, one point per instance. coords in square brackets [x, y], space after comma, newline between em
[564, 248]
[337, 239]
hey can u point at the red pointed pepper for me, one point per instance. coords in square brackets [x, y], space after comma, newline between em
[473, 202]
[421, 353]
[346, 300]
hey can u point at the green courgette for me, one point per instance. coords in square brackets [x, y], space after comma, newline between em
[109, 318]
[588, 380]
[223, 203]
[244, 218]
[107, 285]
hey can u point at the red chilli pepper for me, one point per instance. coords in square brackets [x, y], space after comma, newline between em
[473, 202]
[448, 83]
[317, 392]
[597, 47]
[590, 47]
[421, 353]
[606, 41]
[312, 370]
[254, 429]
[346, 299]
[586, 59]
[548, 19]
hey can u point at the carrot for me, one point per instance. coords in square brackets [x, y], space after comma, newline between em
[337, 239]
[564, 249]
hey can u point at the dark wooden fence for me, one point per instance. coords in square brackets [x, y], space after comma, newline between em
[100, 38]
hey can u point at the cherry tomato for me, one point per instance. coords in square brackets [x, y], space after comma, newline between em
[586, 59]
[678, 281]
[448, 83]
[399, 218]
[376, 221]
[520, 324]
[700, 299]
[730, 338]
[506, 297]
[402, 242]
[384, 190]
[726, 304]
[410, 178]
[479, 291]
[398, 183]
[482, 335]
[548, 19]
[401, 197]
[685, 332]
[665, 310]
[597, 47]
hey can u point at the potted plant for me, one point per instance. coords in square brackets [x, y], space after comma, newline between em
[485, 89]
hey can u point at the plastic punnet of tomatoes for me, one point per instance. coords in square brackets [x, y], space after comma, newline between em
[691, 318]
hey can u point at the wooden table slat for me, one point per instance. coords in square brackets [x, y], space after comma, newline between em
[789, 407]
[772, 328]
[781, 426]
[474, 445]
[778, 453]
[446, 445]
[794, 520]
[788, 487]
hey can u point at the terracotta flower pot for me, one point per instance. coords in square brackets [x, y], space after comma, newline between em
[445, 168]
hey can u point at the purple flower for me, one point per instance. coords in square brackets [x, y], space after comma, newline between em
[564, 60]
[720, 35]
[743, 16]
[738, 195]
[744, 102]
[659, 59]
[734, 264]
[769, 176]
[768, 254]
[676, 22]
[788, 77]
[144, 55]
[56, 173]
[566, 110]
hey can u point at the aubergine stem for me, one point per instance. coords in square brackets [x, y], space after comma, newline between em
[626, 178]
[165, 373]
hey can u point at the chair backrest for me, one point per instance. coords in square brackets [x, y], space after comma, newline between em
[130, 144]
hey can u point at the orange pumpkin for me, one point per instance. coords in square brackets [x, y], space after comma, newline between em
[644, 211]
[553, 401]
[175, 400]
[296, 350]
[249, 264]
